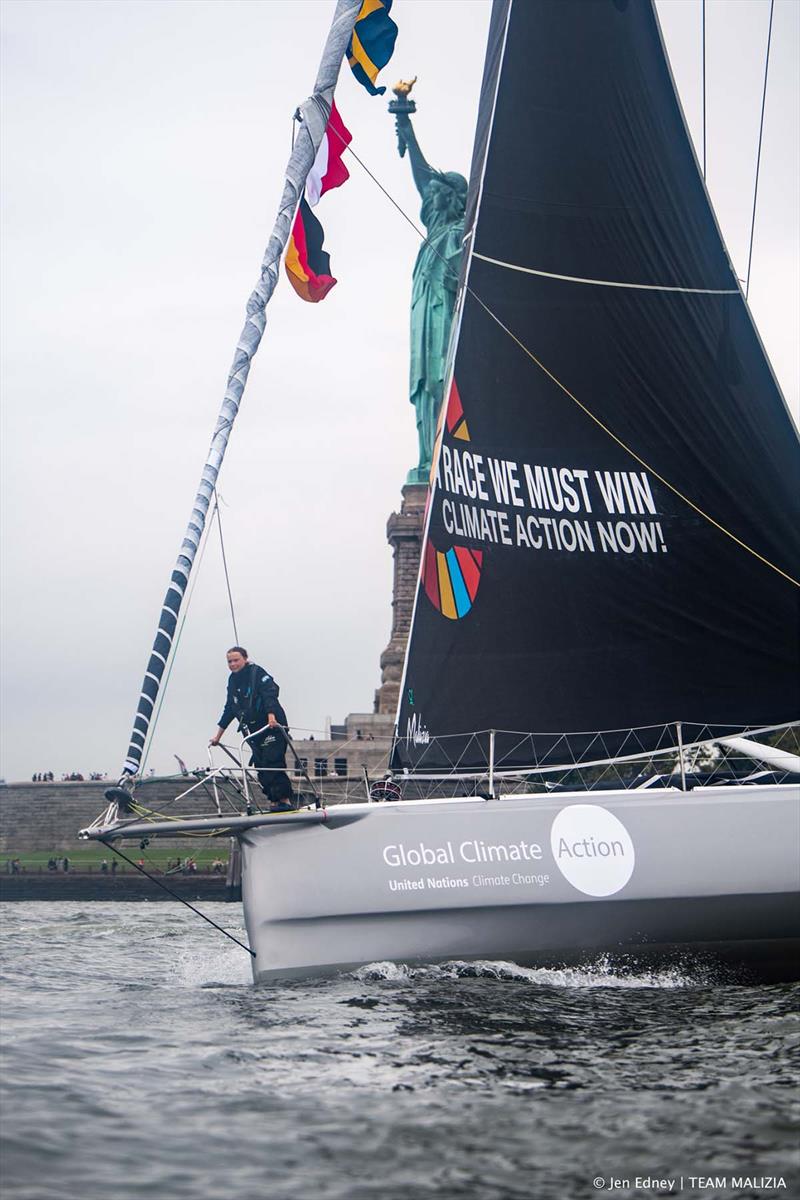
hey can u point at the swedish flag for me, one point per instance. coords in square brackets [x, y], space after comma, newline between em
[372, 43]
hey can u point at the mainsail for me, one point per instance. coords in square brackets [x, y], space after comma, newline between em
[614, 526]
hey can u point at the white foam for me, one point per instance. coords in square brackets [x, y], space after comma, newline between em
[391, 971]
[599, 974]
[225, 966]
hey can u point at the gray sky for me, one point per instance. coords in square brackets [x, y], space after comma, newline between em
[143, 152]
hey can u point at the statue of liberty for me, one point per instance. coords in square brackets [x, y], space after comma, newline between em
[435, 279]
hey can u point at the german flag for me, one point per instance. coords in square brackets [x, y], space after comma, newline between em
[372, 43]
[308, 267]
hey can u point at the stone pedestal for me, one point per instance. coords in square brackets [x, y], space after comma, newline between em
[404, 534]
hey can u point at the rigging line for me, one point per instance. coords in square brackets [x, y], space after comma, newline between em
[758, 157]
[704, 89]
[742, 545]
[392, 200]
[642, 287]
[151, 815]
[174, 652]
[175, 895]
[696, 508]
[140, 810]
[218, 515]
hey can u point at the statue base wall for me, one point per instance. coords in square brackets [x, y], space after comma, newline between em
[404, 534]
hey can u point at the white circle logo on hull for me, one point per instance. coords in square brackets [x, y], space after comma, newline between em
[592, 849]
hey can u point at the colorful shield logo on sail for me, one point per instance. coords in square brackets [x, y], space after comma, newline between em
[451, 577]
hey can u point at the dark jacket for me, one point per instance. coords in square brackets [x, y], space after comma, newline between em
[252, 696]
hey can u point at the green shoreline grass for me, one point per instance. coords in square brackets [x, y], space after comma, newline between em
[91, 857]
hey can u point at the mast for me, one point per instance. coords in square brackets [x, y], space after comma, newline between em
[313, 116]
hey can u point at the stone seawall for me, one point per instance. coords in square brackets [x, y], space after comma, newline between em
[128, 885]
[46, 817]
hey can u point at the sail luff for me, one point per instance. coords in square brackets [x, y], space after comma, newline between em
[313, 114]
[496, 45]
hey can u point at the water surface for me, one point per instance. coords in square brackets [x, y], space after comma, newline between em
[140, 1060]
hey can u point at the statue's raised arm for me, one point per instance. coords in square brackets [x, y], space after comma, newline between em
[435, 280]
[402, 108]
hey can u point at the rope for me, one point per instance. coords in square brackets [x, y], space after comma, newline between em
[218, 515]
[173, 653]
[695, 508]
[615, 283]
[150, 814]
[758, 157]
[391, 199]
[175, 896]
[174, 650]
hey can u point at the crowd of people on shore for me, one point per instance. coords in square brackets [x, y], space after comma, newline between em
[188, 866]
[175, 866]
[76, 776]
[68, 777]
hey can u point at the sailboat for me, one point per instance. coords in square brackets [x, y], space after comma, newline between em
[608, 593]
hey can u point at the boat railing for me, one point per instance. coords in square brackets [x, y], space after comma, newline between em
[677, 755]
[223, 789]
[231, 789]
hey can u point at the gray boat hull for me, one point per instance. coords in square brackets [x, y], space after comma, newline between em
[534, 879]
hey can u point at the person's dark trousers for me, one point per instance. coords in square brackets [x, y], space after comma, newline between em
[270, 751]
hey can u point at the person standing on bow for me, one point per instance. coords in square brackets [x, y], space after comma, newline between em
[252, 699]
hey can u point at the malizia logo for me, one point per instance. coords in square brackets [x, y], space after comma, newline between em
[416, 733]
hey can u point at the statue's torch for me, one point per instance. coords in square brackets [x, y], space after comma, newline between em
[402, 107]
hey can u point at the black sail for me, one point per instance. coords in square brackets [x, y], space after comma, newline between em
[614, 534]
